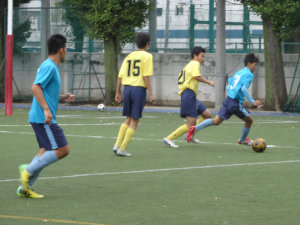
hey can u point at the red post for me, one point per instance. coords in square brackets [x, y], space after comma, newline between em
[9, 75]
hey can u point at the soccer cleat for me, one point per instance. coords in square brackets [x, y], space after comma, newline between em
[246, 142]
[193, 139]
[24, 176]
[28, 194]
[21, 192]
[170, 143]
[190, 134]
[32, 194]
[115, 149]
[123, 153]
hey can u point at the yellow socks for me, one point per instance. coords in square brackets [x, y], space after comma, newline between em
[121, 134]
[200, 120]
[178, 132]
[128, 135]
[182, 130]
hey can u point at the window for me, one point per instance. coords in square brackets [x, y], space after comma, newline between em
[159, 11]
[179, 10]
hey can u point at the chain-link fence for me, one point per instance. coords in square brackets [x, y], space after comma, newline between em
[83, 71]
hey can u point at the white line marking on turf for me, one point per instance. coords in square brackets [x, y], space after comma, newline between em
[99, 117]
[147, 139]
[68, 124]
[163, 170]
[265, 122]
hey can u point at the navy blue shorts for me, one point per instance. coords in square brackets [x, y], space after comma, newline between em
[232, 107]
[190, 105]
[49, 137]
[134, 101]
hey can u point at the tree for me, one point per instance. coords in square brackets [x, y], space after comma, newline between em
[292, 46]
[3, 6]
[73, 20]
[280, 19]
[113, 21]
[21, 31]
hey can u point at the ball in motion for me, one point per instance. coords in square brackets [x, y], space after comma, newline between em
[259, 145]
[101, 107]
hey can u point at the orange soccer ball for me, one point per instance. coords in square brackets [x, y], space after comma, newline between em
[259, 145]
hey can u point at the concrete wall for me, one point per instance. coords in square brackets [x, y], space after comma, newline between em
[166, 69]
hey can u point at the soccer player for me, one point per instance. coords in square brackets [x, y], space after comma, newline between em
[134, 74]
[237, 90]
[42, 117]
[190, 108]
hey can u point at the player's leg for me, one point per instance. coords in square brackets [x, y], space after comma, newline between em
[187, 109]
[121, 134]
[49, 138]
[127, 108]
[245, 131]
[244, 115]
[223, 114]
[177, 133]
[137, 97]
[205, 114]
[128, 136]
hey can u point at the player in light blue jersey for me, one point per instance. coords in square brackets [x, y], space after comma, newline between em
[42, 117]
[237, 90]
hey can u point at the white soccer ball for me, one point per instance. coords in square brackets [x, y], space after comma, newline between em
[101, 107]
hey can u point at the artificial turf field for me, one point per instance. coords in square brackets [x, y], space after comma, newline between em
[217, 182]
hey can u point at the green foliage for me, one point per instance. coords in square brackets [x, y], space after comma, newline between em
[21, 32]
[17, 3]
[283, 14]
[72, 18]
[112, 19]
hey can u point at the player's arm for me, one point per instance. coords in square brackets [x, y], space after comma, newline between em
[203, 80]
[246, 84]
[148, 86]
[38, 94]
[249, 97]
[118, 97]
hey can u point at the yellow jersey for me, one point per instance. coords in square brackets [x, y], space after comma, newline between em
[186, 77]
[134, 67]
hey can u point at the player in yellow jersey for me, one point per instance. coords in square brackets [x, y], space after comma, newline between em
[190, 108]
[134, 74]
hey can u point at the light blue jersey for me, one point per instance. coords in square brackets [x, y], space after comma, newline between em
[49, 78]
[241, 78]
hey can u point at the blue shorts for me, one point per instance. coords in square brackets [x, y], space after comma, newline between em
[190, 106]
[49, 137]
[232, 106]
[134, 101]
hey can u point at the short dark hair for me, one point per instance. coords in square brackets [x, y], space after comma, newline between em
[56, 42]
[141, 39]
[196, 51]
[250, 58]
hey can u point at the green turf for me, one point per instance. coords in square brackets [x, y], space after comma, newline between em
[228, 185]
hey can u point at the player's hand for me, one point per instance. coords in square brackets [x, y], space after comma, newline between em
[212, 83]
[48, 116]
[68, 97]
[118, 98]
[257, 103]
[152, 98]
